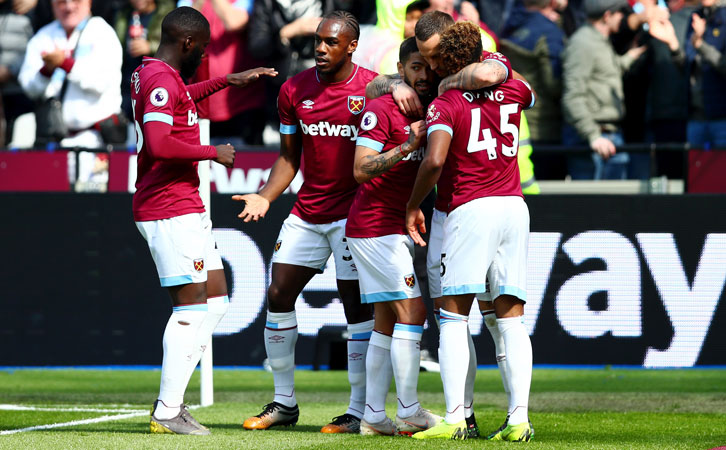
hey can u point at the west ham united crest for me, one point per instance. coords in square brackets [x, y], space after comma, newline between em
[410, 280]
[199, 264]
[356, 103]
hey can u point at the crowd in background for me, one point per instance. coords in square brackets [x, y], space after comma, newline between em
[606, 72]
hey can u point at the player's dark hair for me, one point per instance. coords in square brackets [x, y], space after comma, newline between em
[407, 47]
[418, 5]
[460, 46]
[433, 22]
[348, 19]
[182, 22]
[539, 4]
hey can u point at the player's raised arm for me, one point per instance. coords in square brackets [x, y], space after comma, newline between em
[475, 76]
[283, 172]
[203, 89]
[404, 95]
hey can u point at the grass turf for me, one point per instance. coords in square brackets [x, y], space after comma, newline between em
[570, 409]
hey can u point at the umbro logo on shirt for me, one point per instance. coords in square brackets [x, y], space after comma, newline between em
[308, 104]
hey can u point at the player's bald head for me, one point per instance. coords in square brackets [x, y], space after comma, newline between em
[181, 23]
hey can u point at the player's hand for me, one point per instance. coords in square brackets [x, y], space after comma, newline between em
[256, 206]
[54, 59]
[225, 155]
[407, 99]
[242, 79]
[603, 146]
[416, 225]
[415, 136]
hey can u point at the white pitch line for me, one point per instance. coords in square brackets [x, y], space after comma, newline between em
[75, 422]
[72, 409]
[136, 413]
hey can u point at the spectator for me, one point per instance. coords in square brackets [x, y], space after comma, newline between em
[93, 70]
[666, 115]
[41, 11]
[705, 59]
[378, 44]
[467, 11]
[534, 43]
[237, 116]
[593, 102]
[15, 31]
[138, 26]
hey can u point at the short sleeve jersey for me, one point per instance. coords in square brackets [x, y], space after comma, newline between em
[164, 188]
[327, 116]
[443, 195]
[379, 207]
[484, 125]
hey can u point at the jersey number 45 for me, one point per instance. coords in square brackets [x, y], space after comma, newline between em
[489, 142]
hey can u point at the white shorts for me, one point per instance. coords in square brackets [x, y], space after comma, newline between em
[486, 238]
[310, 245]
[433, 256]
[385, 268]
[182, 247]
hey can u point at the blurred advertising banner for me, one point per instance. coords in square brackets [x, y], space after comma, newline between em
[250, 172]
[623, 280]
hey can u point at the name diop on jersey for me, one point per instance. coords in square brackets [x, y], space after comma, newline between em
[324, 128]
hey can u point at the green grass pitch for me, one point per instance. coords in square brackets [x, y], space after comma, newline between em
[570, 409]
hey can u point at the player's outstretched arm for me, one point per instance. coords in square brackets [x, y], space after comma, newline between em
[283, 172]
[369, 163]
[404, 95]
[243, 79]
[203, 89]
[475, 76]
[427, 177]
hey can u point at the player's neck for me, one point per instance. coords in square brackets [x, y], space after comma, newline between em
[343, 74]
[168, 57]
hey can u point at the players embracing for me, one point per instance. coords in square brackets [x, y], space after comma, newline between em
[388, 152]
[319, 122]
[472, 155]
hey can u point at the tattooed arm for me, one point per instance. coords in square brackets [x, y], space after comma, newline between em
[404, 95]
[369, 163]
[475, 76]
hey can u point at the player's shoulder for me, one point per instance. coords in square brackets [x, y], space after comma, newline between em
[366, 74]
[299, 82]
[382, 105]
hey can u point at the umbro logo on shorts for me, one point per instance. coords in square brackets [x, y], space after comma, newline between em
[199, 264]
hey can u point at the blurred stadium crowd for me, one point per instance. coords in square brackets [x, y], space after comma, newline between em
[606, 72]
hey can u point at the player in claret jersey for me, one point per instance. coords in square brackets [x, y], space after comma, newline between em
[319, 119]
[494, 68]
[168, 210]
[472, 144]
[388, 152]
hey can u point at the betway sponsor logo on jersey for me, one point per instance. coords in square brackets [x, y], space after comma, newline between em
[325, 128]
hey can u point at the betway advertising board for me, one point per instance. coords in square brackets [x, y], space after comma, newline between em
[623, 280]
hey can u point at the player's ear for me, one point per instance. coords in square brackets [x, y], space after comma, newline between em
[352, 46]
[188, 43]
[400, 69]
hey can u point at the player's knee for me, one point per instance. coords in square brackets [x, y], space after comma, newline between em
[282, 364]
[278, 299]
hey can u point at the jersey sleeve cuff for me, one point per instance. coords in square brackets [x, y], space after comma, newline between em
[288, 129]
[158, 117]
[506, 77]
[439, 126]
[370, 143]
